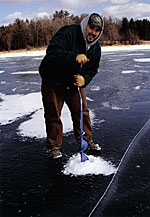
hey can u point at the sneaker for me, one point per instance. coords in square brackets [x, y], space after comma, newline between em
[94, 147]
[55, 154]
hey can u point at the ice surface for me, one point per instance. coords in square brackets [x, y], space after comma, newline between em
[133, 54]
[95, 165]
[13, 107]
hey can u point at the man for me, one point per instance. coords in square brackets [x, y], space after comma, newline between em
[71, 47]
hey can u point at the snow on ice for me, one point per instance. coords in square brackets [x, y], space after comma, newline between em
[113, 107]
[95, 88]
[25, 73]
[137, 88]
[26, 105]
[143, 60]
[16, 106]
[95, 165]
[128, 71]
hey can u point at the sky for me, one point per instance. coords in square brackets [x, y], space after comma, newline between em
[32, 9]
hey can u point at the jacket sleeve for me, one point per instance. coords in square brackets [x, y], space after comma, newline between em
[92, 67]
[58, 53]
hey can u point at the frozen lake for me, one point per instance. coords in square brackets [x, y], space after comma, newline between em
[119, 103]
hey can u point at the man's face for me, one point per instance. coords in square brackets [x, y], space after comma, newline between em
[92, 32]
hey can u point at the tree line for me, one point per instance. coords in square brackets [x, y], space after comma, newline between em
[38, 32]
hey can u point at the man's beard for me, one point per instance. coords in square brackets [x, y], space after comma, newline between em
[93, 36]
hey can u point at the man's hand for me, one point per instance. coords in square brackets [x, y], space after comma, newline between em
[82, 59]
[79, 80]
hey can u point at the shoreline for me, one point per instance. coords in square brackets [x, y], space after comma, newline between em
[42, 51]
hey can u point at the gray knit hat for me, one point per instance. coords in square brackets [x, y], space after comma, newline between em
[96, 20]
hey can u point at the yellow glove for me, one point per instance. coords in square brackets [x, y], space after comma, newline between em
[82, 59]
[79, 80]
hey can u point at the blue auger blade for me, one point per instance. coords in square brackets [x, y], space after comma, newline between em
[84, 145]
[83, 157]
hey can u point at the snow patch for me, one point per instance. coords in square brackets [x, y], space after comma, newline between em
[38, 58]
[137, 88]
[115, 60]
[113, 107]
[116, 108]
[105, 104]
[144, 71]
[143, 60]
[23, 54]
[13, 107]
[125, 47]
[95, 88]
[133, 54]
[35, 127]
[89, 99]
[25, 73]
[137, 66]
[3, 82]
[128, 71]
[101, 121]
[93, 166]
[14, 89]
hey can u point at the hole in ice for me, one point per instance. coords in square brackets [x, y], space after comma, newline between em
[93, 166]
